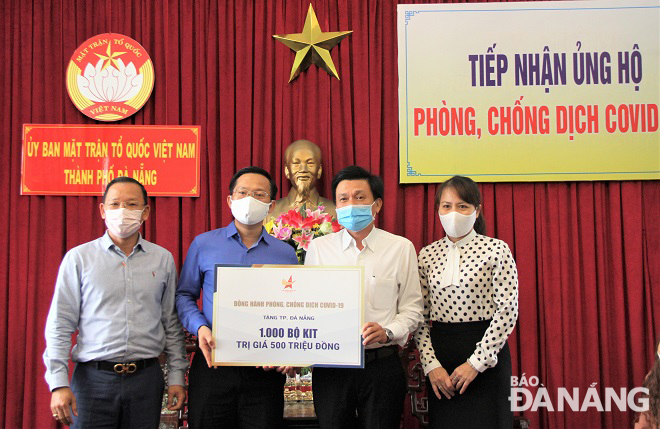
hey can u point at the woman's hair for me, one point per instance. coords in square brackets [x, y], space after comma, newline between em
[652, 382]
[468, 191]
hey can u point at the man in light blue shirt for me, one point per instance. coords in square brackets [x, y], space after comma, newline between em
[231, 396]
[118, 293]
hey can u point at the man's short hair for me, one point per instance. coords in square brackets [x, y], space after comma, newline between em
[255, 170]
[355, 172]
[125, 179]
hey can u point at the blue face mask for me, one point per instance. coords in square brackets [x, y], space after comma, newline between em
[355, 218]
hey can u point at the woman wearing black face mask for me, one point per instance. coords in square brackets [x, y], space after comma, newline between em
[470, 287]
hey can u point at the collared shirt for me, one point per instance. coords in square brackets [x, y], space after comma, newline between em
[122, 307]
[487, 289]
[221, 246]
[393, 295]
[450, 274]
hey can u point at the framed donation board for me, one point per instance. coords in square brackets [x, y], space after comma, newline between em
[274, 315]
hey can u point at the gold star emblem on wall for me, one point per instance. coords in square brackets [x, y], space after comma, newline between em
[312, 46]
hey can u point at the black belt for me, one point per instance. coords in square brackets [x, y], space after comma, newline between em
[120, 367]
[371, 355]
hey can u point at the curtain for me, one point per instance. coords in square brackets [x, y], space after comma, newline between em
[587, 252]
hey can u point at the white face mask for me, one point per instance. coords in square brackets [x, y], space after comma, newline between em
[457, 224]
[123, 222]
[249, 211]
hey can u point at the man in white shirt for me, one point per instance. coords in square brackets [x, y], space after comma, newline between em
[371, 397]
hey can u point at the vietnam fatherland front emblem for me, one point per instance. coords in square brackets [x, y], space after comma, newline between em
[110, 77]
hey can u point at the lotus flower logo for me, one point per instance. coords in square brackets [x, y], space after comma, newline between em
[110, 77]
[110, 84]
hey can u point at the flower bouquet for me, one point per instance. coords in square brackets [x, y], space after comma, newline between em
[300, 227]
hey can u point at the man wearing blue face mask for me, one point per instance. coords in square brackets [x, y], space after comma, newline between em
[369, 397]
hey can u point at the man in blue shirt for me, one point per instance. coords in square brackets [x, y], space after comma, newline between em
[118, 292]
[231, 396]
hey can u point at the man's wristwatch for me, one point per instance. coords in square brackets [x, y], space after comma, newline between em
[390, 335]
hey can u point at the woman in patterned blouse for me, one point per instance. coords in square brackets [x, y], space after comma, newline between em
[470, 287]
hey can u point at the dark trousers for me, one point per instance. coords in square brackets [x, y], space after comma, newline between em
[370, 397]
[107, 400]
[234, 396]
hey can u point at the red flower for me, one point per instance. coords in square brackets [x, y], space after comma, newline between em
[309, 222]
[292, 218]
[304, 239]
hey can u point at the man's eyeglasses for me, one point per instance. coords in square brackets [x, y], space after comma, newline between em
[130, 205]
[242, 193]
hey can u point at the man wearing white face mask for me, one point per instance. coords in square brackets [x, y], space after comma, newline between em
[232, 396]
[369, 397]
[118, 292]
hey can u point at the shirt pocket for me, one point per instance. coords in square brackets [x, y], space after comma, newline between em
[150, 285]
[384, 293]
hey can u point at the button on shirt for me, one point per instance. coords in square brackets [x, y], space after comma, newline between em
[487, 289]
[122, 307]
[391, 280]
[221, 246]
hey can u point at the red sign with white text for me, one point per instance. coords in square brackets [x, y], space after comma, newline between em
[82, 159]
